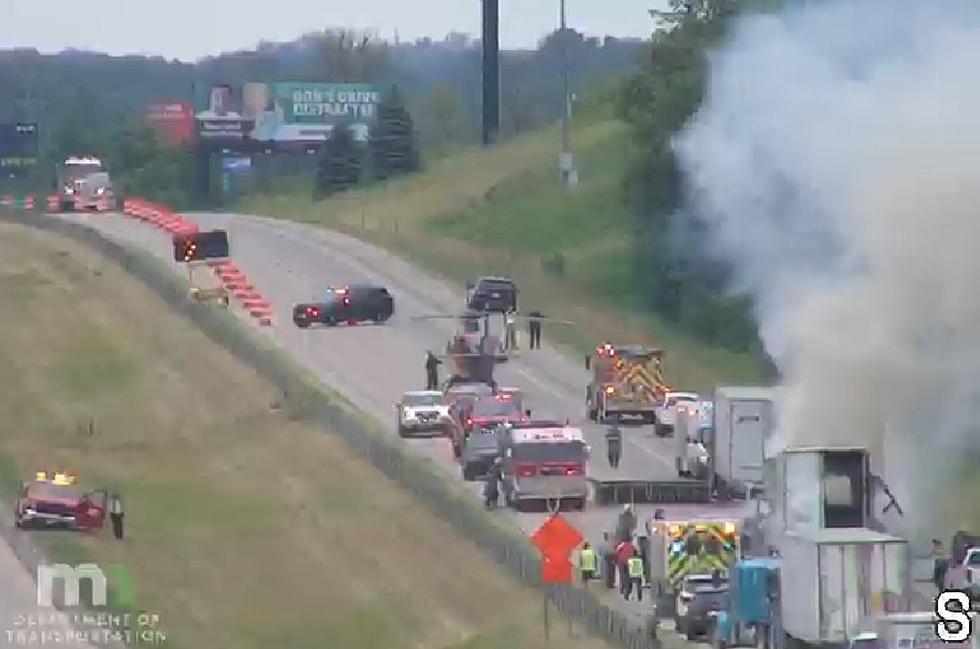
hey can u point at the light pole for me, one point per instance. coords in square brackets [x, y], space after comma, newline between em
[566, 161]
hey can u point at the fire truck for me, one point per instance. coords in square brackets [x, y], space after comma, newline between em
[543, 461]
[483, 412]
[54, 500]
[626, 381]
[690, 547]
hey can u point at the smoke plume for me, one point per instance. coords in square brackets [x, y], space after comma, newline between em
[836, 161]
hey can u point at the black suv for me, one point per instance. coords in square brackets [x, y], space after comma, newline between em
[350, 304]
[495, 294]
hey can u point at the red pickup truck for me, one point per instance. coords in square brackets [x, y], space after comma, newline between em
[55, 501]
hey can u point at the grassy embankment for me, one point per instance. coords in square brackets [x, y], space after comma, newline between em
[504, 211]
[245, 528]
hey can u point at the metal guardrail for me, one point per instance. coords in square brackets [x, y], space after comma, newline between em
[304, 397]
[650, 491]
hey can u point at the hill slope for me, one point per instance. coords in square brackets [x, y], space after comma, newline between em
[504, 211]
[245, 528]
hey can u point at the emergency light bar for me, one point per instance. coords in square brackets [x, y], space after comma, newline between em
[522, 435]
[82, 161]
[60, 479]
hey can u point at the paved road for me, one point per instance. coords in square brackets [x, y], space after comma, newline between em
[373, 365]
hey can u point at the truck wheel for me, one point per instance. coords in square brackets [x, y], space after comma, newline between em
[468, 473]
[302, 324]
[658, 429]
[402, 431]
[690, 632]
[330, 322]
[456, 451]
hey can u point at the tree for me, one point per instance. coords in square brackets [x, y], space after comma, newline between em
[339, 166]
[393, 147]
[445, 115]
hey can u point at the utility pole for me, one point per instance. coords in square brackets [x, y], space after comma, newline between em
[491, 71]
[566, 161]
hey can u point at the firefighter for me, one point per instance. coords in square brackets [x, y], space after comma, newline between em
[116, 514]
[625, 524]
[491, 490]
[614, 445]
[432, 371]
[634, 574]
[534, 329]
[588, 563]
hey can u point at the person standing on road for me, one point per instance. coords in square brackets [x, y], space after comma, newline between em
[939, 564]
[534, 329]
[608, 552]
[634, 571]
[432, 371]
[588, 563]
[116, 514]
[510, 328]
[625, 524]
[624, 551]
[614, 445]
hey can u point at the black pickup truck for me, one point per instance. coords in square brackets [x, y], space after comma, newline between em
[350, 304]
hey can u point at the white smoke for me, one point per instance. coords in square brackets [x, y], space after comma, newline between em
[836, 160]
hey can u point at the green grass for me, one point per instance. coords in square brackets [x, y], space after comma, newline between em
[245, 527]
[504, 211]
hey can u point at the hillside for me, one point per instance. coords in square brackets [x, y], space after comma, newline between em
[245, 528]
[504, 211]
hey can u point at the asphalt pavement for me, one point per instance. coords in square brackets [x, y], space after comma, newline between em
[373, 365]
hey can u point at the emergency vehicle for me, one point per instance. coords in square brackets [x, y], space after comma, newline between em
[543, 461]
[72, 176]
[692, 439]
[626, 381]
[679, 548]
[54, 500]
[484, 412]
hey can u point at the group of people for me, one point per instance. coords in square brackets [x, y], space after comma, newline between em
[619, 556]
[533, 330]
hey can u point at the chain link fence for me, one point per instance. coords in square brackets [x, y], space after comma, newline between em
[305, 398]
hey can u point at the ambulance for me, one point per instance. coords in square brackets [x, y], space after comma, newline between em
[543, 461]
[680, 548]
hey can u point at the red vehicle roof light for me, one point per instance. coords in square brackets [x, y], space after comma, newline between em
[526, 470]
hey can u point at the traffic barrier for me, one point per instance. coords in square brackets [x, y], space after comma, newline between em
[6, 200]
[54, 204]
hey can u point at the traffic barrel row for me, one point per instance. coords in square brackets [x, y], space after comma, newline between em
[159, 216]
[237, 283]
[17, 202]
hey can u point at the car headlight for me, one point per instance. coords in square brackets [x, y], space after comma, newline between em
[408, 414]
[100, 191]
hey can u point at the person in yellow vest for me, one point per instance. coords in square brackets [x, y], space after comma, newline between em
[588, 563]
[510, 329]
[634, 570]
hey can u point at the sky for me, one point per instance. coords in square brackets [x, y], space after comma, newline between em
[190, 29]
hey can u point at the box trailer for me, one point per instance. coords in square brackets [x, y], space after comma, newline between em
[742, 424]
[835, 582]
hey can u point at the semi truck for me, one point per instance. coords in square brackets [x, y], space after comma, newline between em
[742, 423]
[627, 381]
[832, 572]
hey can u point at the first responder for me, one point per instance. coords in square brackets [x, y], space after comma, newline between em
[588, 563]
[116, 514]
[608, 551]
[625, 524]
[510, 326]
[634, 570]
[624, 551]
[432, 371]
[939, 565]
[614, 445]
[491, 491]
[534, 329]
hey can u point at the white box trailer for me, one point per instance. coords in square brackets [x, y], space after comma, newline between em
[835, 581]
[742, 423]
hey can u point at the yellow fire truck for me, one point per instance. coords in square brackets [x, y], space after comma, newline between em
[680, 548]
[626, 381]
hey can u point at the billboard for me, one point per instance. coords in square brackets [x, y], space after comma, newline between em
[221, 123]
[174, 120]
[18, 148]
[307, 112]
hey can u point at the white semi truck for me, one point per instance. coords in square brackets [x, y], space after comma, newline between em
[742, 423]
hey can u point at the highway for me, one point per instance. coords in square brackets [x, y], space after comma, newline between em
[374, 365]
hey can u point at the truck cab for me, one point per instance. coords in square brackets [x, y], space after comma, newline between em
[692, 439]
[543, 461]
[665, 414]
[71, 177]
